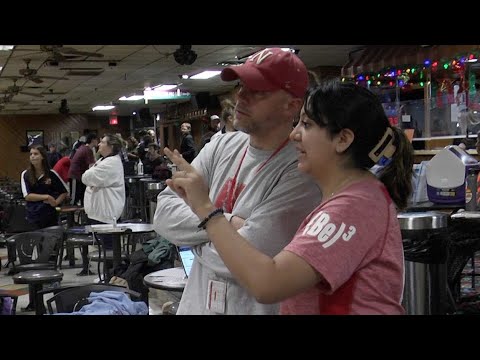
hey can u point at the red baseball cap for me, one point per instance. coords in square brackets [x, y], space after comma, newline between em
[271, 69]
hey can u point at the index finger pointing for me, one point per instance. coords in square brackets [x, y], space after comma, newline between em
[176, 158]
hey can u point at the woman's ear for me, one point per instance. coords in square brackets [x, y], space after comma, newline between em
[344, 139]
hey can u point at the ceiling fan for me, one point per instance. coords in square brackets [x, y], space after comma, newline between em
[59, 53]
[8, 99]
[15, 90]
[31, 74]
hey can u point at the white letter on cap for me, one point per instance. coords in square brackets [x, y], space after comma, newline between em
[261, 55]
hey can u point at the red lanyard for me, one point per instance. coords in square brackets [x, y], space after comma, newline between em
[277, 150]
[229, 192]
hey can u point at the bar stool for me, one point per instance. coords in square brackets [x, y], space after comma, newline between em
[35, 280]
[38, 254]
[82, 241]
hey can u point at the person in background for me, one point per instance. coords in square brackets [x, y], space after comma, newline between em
[154, 158]
[80, 162]
[53, 155]
[187, 146]
[215, 122]
[142, 149]
[105, 186]
[123, 151]
[43, 190]
[79, 142]
[252, 176]
[152, 134]
[347, 254]
[228, 113]
[63, 165]
[76, 145]
[132, 148]
[213, 128]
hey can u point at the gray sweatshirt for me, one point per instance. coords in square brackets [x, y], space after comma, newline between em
[274, 202]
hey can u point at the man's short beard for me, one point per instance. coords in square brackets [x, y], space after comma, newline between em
[241, 128]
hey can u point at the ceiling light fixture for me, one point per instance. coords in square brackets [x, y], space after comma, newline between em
[131, 98]
[205, 75]
[295, 51]
[230, 63]
[163, 87]
[166, 95]
[103, 107]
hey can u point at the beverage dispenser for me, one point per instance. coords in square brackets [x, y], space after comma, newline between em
[446, 173]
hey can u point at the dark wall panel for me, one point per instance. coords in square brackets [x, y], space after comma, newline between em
[13, 135]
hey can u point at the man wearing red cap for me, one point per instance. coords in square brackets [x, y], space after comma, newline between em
[252, 178]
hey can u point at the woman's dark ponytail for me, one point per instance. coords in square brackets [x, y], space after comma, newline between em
[397, 175]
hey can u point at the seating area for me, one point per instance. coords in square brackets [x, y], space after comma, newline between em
[71, 299]
[156, 298]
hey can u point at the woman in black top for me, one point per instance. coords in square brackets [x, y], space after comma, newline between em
[153, 158]
[43, 189]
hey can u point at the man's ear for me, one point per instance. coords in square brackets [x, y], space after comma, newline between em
[344, 139]
[293, 104]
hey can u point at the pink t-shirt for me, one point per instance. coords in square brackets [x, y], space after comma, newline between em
[354, 241]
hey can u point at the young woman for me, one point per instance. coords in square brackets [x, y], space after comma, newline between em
[347, 255]
[43, 189]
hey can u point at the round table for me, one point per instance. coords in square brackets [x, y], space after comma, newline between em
[70, 210]
[120, 229]
[172, 279]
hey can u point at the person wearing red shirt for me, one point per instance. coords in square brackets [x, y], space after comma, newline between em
[62, 166]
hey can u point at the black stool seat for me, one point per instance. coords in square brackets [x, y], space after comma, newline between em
[80, 240]
[37, 276]
[35, 280]
[28, 267]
